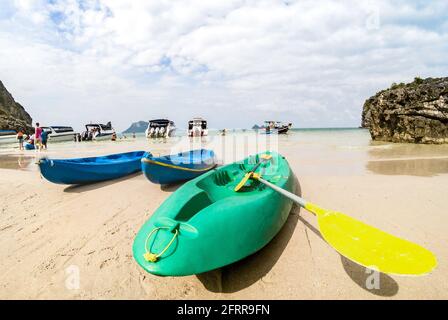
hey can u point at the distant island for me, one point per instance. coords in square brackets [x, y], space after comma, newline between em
[415, 112]
[137, 127]
[12, 114]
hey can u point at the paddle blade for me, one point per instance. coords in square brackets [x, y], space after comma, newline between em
[373, 248]
[243, 181]
[266, 156]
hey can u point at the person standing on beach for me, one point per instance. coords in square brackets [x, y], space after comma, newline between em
[38, 137]
[44, 137]
[20, 139]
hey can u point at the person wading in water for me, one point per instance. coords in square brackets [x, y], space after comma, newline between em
[20, 139]
[38, 137]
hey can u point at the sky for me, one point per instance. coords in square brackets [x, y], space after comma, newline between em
[234, 62]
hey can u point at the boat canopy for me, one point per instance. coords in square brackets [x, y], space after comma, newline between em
[277, 123]
[198, 122]
[160, 122]
[61, 129]
[107, 126]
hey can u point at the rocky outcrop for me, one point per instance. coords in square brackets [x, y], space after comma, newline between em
[137, 127]
[416, 112]
[12, 115]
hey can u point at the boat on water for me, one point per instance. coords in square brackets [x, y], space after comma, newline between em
[276, 127]
[177, 167]
[92, 169]
[97, 131]
[197, 127]
[160, 128]
[8, 136]
[206, 224]
[60, 133]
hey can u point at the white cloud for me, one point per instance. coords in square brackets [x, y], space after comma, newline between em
[310, 62]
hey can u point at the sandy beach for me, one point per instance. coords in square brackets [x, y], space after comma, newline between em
[48, 230]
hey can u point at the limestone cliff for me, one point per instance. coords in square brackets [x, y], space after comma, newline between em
[12, 115]
[416, 112]
[137, 127]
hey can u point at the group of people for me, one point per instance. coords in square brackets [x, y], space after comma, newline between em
[39, 139]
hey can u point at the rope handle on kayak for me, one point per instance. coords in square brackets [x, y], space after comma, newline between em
[152, 257]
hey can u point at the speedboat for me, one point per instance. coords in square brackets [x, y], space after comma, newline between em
[96, 131]
[60, 133]
[197, 127]
[160, 128]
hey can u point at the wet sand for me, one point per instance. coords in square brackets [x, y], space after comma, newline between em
[21, 162]
[49, 231]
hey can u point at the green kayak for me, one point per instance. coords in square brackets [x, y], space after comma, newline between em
[205, 224]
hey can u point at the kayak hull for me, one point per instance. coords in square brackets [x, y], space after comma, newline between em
[179, 167]
[29, 146]
[215, 225]
[90, 170]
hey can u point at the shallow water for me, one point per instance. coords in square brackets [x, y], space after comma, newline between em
[20, 162]
[309, 151]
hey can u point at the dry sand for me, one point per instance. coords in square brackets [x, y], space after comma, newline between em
[47, 231]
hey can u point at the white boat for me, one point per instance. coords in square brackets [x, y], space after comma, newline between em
[8, 136]
[197, 127]
[97, 131]
[160, 128]
[276, 127]
[60, 133]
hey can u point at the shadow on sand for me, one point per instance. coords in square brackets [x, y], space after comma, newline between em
[171, 187]
[388, 287]
[360, 275]
[244, 273]
[80, 188]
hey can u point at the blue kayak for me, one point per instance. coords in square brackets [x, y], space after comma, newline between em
[177, 167]
[29, 146]
[89, 170]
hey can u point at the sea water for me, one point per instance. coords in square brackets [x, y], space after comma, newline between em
[329, 151]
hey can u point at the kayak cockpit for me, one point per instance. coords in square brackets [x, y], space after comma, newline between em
[218, 186]
[198, 202]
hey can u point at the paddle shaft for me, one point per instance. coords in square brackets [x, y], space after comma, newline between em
[301, 202]
[255, 167]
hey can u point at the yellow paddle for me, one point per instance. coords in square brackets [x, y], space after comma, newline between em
[247, 176]
[364, 244]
